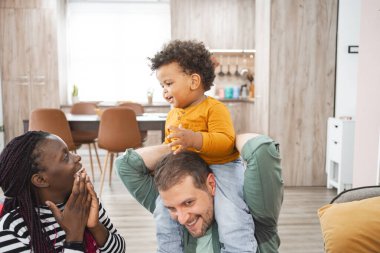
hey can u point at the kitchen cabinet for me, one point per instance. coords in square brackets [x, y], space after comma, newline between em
[340, 153]
[28, 64]
[241, 114]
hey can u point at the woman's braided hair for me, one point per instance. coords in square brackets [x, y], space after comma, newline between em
[18, 162]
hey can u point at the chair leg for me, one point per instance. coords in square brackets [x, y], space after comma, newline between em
[91, 163]
[111, 167]
[97, 156]
[103, 174]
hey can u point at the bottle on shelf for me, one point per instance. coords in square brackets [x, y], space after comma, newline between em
[252, 90]
[244, 92]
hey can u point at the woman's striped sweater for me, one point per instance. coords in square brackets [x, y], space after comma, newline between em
[15, 237]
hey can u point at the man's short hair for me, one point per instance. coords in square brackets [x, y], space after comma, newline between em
[172, 169]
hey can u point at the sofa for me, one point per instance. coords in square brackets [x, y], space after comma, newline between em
[350, 223]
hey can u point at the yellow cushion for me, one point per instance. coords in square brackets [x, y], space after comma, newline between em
[352, 226]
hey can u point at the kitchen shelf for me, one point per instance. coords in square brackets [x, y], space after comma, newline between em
[244, 100]
[233, 51]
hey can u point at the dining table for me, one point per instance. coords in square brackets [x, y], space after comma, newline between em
[146, 122]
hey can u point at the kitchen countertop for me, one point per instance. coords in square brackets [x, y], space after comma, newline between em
[163, 104]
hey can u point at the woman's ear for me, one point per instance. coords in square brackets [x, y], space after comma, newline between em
[39, 180]
[195, 81]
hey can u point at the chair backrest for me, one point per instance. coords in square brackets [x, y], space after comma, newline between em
[118, 130]
[136, 107]
[84, 108]
[53, 121]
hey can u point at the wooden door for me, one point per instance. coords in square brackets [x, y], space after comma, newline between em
[302, 80]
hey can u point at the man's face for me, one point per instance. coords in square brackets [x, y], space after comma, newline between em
[191, 206]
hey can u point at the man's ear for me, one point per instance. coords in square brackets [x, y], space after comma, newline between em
[195, 81]
[211, 184]
[39, 180]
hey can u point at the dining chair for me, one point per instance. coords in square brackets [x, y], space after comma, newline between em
[139, 110]
[86, 108]
[85, 136]
[53, 121]
[118, 130]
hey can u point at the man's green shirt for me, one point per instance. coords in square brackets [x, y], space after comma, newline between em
[263, 191]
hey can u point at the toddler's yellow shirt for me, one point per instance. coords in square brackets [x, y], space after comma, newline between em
[212, 118]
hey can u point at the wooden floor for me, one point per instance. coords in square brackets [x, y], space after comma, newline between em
[298, 226]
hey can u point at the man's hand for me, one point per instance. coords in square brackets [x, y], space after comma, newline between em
[183, 139]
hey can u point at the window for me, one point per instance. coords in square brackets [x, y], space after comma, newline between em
[108, 45]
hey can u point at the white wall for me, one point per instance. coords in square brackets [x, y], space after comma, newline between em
[368, 96]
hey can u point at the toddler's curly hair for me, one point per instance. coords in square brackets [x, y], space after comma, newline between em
[191, 55]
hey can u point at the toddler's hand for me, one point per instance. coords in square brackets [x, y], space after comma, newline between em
[182, 138]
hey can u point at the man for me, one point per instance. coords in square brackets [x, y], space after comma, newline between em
[187, 188]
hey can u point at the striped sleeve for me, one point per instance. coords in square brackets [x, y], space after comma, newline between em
[115, 242]
[13, 234]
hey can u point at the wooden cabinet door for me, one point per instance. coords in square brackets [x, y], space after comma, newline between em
[247, 117]
[28, 64]
[15, 46]
[237, 115]
[44, 91]
[15, 68]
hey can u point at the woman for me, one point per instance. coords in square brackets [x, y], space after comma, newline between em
[50, 204]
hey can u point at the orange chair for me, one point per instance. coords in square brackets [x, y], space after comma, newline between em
[53, 121]
[86, 137]
[87, 108]
[118, 131]
[139, 110]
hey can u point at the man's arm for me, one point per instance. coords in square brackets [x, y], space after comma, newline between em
[134, 168]
[152, 154]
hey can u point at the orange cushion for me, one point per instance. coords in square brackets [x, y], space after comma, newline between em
[351, 226]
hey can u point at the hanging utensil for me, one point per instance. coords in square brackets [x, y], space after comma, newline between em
[228, 67]
[221, 73]
[237, 73]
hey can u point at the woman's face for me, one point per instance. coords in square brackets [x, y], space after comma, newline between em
[58, 166]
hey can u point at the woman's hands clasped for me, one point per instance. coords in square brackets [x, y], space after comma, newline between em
[81, 209]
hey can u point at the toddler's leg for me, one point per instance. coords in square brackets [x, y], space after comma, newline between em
[235, 222]
[168, 232]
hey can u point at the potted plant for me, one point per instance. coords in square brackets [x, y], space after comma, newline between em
[75, 94]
